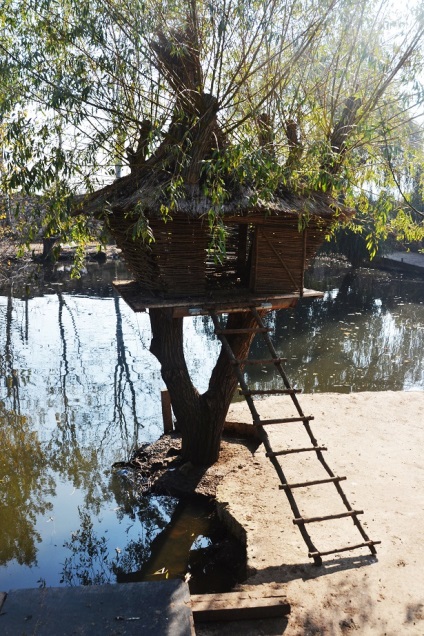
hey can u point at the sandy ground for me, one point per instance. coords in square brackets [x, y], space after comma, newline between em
[377, 441]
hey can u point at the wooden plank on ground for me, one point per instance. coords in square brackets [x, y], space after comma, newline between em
[238, 606]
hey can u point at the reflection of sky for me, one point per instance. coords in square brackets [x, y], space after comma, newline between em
[83, 363]
[91, 403]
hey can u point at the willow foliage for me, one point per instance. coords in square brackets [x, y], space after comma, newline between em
[311, 94]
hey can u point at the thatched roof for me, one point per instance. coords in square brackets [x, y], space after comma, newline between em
[126, 196]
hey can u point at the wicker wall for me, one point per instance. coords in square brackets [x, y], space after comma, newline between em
[281, 253]
[177, 262]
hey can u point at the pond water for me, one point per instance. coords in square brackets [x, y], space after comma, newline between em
[80, 391]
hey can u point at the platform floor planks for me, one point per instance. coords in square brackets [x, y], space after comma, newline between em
[219, 301]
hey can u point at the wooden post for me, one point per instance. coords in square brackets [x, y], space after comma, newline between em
[304, 246]
[168, 426]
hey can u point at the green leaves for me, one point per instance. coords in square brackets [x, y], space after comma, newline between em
[337, 82]
[141, 227]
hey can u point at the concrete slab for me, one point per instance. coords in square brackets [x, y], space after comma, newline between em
[152, 609]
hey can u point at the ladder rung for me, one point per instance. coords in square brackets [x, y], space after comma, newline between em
[284, 420]
[259, 362]
[271, 392]
[365, 544]
[296, 450]
[341, 515]
[317, 482]
[224, 332]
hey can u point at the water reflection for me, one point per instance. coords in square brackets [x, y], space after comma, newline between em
[26, 488]
[367, 334]
[90, 560]
[80, 390]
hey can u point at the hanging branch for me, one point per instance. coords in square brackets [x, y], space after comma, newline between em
[395, 179]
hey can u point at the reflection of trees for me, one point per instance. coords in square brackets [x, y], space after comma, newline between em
[169, 544]
[82, 465]
[167, 555]
[92, 561]
[66, 455]
[85, 434]
[25, 483]
[64, 357]
[167, 531]
[122, 379]
[151, 513]
[11, 375]
[89, 562]
[25, 488]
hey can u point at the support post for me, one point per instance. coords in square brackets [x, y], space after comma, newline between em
[168, 425]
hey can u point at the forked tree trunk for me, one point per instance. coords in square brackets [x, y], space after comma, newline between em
[200, 417]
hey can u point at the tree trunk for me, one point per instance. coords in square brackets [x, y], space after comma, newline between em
[50, 248]
[200, 417]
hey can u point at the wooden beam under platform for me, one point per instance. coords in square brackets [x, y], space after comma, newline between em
[218, 301]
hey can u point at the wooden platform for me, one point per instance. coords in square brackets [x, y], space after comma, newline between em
[219, 301]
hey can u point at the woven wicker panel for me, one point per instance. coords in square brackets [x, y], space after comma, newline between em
[180, 250]
[138, 255]
[280, 255]
[174, 263]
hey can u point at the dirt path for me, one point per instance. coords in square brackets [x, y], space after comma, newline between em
[377, 441]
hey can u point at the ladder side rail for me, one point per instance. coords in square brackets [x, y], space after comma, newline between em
[273, 352]
[355, 520]
[342, 495]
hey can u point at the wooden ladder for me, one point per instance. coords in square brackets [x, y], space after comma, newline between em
[275, 456]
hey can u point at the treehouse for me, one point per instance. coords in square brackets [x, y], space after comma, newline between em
[211, 224]
[164, 213]
[267, 248]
